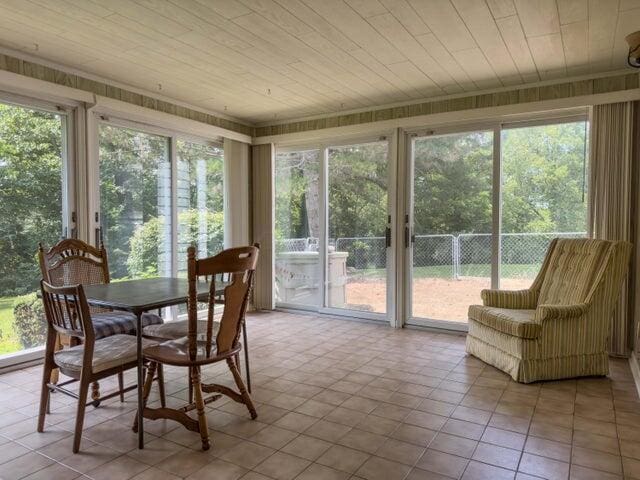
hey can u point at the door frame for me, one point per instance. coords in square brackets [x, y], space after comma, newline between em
[391, 137]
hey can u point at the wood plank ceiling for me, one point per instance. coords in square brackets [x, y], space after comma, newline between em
[271, 60]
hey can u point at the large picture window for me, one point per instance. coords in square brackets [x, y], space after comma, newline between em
[32, 208]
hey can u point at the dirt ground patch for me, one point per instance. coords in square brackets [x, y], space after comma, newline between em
[435, 298]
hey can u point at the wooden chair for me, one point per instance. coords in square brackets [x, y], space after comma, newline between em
[71, 262]
[179, 329]
[201, 348]
[68, 314]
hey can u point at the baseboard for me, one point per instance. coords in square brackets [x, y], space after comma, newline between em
[635, 370]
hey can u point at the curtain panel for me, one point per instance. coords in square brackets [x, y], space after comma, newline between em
[613, 201]
[262, 210]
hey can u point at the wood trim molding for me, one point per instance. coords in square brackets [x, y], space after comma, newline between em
[522, 95]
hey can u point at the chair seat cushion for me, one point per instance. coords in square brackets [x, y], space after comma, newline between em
[120, 323]
[177, 329]
[519, 323]
[109, 352]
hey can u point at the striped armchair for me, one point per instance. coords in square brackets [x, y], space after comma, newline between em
[559, 327]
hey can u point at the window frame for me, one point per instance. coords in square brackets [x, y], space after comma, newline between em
[519, 121]
[68, 112]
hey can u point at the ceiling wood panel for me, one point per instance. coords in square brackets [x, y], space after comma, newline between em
[265, 59]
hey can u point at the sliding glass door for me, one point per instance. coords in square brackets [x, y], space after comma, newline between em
[452, 223]
[34, 206]
[332, 231]
[483, 207]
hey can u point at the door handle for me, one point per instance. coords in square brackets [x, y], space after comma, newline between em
[387, 236]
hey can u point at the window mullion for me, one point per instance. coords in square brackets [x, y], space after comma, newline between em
[496, 209]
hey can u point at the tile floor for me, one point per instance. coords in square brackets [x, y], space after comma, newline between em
[344, 400]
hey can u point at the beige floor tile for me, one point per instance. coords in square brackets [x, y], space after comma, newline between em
[460, 446]
[343, 458]
[329, 431]
[297, 422]
[345, 416]
[583, 473]
[399, 451]
[247, 454]
[24, 465]
[282, 466]
[599, 442]
[55, 471]
[543, 467]
[504, 438]
[362, 440]
[220, 470]
[509, 422]
[306, 447]
[274, 437]
[548, 448]
[419, 474]
[497, 456]
[412, 434]
[156, 451]
[89, 457]
[425, 420]
[154, 473]
[315, 408]
[482, 471]
[597, 460]
[631, 467]
[551, 432]
[316, 471]
[360, 404]
[437, 407]
[374, 424]
[376, 468]
[442, 463]
[464, 429]
[184, 463]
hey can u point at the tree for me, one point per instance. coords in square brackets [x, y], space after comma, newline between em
[30, 193]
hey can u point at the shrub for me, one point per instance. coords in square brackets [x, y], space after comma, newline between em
[29, 320]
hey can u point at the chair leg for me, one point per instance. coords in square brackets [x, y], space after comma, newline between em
[148, 381]
[202, 418]
[246, 355]
[190, 386]
[163, 399]
[95, 394]
[82, 402]
[121, 385]
[243, 391]
[45, 395]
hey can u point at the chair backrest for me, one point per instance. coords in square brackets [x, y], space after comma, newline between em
[72, 262]
[67, 311]
[572, 269]
[237, 266]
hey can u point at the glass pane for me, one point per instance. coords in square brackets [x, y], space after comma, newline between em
[357, 252]
[543, 195]
[31, 166]
[452, 223]
[135, 202]
[200, 200]
[297, 228]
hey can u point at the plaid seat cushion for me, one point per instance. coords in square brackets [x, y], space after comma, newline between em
[109, 352]
[120, 323]
[178, 329]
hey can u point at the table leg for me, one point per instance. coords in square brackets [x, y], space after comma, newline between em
[140, 379]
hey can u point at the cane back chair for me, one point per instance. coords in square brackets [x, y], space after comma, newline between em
[200, 347]
[90, 360]
[72, 262]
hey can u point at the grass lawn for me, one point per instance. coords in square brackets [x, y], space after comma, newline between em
[9, 342]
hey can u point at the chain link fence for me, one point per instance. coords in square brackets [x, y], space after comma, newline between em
[444, 256]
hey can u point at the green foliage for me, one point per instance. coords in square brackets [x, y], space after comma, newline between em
[146, 242]
[29, 320]
[30, 193]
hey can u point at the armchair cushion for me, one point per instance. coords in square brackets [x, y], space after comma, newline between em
[519, 323]
[521, 299]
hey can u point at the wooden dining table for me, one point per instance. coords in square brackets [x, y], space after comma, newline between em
[138, 297]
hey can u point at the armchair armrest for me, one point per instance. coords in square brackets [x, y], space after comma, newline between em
[550, 312]
[516, 299]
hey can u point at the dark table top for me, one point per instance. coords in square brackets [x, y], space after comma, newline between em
[144, 294]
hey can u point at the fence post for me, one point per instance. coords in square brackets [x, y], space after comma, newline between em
[456, 257]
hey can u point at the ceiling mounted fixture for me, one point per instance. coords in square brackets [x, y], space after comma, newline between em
[633, 39]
